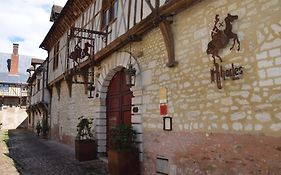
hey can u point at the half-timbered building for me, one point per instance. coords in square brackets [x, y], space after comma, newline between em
[205, 80]
[13, 91]
[38, 95]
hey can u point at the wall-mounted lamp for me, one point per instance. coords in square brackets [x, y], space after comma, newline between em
[130, 72]
[130, 75]
[91, 90]
[167, 123]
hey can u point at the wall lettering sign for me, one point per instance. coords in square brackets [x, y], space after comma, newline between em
[218, 73]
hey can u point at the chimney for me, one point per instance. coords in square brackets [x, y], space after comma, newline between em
[15, 60]
[15, 49]
[55, 13]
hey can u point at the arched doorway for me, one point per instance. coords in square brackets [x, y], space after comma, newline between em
[109, 69]
[118, 103]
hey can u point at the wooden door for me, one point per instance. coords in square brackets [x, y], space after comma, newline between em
[118, 103]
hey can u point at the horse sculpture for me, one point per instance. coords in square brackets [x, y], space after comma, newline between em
[86, 49]
[77, 53]
[220, 38]
[80, 53]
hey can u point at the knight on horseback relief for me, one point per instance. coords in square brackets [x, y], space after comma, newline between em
[221, 35]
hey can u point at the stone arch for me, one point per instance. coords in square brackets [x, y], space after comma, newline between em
[115, 64]
[109, 68]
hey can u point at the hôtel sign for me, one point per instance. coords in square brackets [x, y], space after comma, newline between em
[218, 73]
[220, 39]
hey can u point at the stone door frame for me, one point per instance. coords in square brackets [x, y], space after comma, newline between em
[109, 67]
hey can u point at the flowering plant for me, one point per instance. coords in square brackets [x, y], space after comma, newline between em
[84, 128]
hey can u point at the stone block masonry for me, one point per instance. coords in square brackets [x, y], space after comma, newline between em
[235, 129]
[12, 117]
[66, 110]
[247, 105]
[215, 131]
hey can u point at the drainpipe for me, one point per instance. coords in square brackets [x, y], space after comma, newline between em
[43, 100]
[50, 95]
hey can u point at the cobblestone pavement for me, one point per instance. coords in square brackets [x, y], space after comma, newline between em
[36, 156]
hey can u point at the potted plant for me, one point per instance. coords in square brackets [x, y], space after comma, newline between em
[123, 155]
[85, 144]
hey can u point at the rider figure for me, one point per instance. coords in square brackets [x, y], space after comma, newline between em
[215, 28]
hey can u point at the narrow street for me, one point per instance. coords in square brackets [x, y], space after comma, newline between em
[32, 155]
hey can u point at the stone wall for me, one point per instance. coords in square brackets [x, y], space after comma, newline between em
[66, 110]
[210, 125]
[244, 109]
[250, 104]
[12, 117]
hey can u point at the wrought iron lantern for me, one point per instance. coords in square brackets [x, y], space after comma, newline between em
[130, 72]
[130, 75]
[91, 90]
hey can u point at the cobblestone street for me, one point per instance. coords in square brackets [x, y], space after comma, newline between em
[36, 156]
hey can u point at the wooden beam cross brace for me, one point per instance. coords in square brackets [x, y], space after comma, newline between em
[166, 30]
[68, 80]
[57, 85]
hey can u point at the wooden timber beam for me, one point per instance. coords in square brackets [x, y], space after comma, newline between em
[71, 11]
[166, 30]
[58, 86]
[148, 2]
[68, 80]
[175, 6]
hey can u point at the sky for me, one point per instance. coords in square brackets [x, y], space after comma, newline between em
[25, 22]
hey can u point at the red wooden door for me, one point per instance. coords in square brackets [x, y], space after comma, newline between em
[118, 102]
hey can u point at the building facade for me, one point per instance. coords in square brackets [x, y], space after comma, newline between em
[206, 97]
[13, 91]
[38, 95]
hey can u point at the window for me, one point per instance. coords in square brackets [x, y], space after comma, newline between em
[56, 56]
[113, 10]
[105, 19]
[109, 12]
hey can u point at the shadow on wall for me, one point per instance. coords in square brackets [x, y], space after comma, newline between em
[13, 117]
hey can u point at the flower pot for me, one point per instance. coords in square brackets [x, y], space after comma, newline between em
[123, 162]
[85, 150]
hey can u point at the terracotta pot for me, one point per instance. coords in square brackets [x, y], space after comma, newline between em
[85, 150]
[123, 163]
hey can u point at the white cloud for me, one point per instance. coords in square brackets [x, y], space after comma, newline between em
[27, 20]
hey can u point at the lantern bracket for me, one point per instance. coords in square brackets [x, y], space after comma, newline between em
[74, 33]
